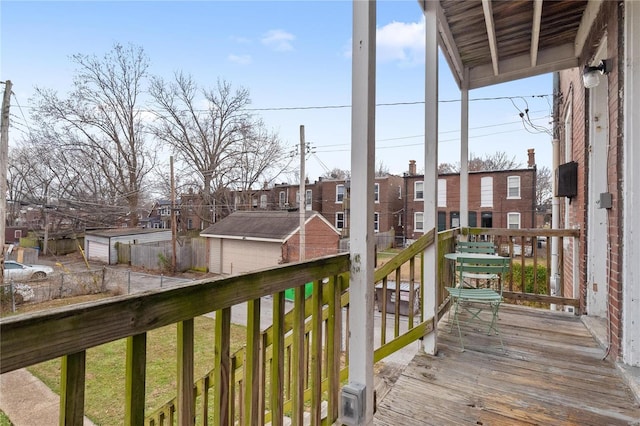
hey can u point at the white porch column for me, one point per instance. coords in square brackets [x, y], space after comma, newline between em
[631, 218]
[464, 154]
[430, 277]
[362, 167]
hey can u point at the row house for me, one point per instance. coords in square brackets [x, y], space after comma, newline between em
[497, 199]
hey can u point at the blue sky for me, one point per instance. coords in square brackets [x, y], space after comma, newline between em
[288, 54]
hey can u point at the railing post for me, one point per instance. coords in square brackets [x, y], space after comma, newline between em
[223, 375]
[277, 362]
[135, 376]
[252, 367]
[72, 379]
[297, 362]
[186, 397]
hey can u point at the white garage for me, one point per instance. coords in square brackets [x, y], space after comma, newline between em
[246, 241]
[100, 245]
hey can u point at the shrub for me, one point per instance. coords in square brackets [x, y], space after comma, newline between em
[541, 278]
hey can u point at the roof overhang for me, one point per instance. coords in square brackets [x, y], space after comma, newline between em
[487, 42]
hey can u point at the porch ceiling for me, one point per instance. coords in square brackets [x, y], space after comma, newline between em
[487, 42]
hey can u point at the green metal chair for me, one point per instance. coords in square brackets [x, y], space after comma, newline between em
[476, 300]
[486, 247]
[480, 247]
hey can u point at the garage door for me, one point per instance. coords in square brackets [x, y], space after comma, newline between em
[98, 251]
[244, 256]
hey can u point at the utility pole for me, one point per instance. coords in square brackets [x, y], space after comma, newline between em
[174, 229]
[4, 154]
[303, 195]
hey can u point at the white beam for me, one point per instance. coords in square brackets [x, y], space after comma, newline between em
[491, 34]
[588, 18]
[430, 210]
[535, 31]
[464, 156]
[549, 60]
[362, 254]
[631, 221]
[449, 47]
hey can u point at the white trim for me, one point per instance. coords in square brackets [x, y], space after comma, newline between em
[415, 190]
[509, 187]
[515, 214]
[344, 193]
[415, 220]
[442, 193]
[238, 237]
[631, 204]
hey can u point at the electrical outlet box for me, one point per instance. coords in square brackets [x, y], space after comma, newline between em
[352, 404]
[606, 200]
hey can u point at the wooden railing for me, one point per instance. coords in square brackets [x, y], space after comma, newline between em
[530, 251]
[292, 368]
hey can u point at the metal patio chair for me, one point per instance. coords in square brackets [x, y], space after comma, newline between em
[476, 300]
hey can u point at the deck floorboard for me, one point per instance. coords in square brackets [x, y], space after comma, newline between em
[552, 372]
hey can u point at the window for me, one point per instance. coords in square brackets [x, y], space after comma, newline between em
[513, 220]
[442, 221]
[339, 193]
[399, 192]
[281, 199]
[263, 201]
[340, 220]
[473, 219]
[376, 222]
[418, 222]
[17, 234]
[513, 187]
[376, 192]
[486, 191]
[189, 223]
[254, 202]
[309, 199]
[442, 193]
[418, 190]
[454, 217]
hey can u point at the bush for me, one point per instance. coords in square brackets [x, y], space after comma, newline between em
[516, 272]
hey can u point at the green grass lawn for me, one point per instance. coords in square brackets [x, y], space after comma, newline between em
[105, 381]
[4, 420]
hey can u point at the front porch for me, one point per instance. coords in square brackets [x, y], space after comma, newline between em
[552, 372]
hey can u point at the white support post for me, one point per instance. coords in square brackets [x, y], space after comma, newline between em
[362, 236]
[631, 222]
[430, 278]
[464, 153]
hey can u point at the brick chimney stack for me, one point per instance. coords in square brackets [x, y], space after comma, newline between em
[412, 167]
[532, 158]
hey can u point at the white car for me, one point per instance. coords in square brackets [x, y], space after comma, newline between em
[20, 272]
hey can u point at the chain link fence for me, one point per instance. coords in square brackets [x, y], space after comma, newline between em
[62, 285]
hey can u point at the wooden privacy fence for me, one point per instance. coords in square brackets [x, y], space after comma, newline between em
[191, 253]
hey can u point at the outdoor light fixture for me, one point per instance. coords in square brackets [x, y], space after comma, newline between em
[591, 74]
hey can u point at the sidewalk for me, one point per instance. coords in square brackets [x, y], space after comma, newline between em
[27, 401]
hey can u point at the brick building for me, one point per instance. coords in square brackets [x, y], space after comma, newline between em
[497, 199]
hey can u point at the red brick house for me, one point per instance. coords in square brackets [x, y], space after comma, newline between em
[497, 199]
[250, 240]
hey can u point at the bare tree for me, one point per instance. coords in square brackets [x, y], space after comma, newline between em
[100, 122]
[337, 173]
[544, 189]
[222, 143]
[381, 169]
[487, 163]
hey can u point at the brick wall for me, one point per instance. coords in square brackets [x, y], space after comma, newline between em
[575, 102]
[320, 240]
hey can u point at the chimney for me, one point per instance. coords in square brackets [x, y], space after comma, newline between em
[412, 167]
[532, 158]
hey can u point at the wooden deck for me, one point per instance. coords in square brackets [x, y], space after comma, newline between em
[551, 373]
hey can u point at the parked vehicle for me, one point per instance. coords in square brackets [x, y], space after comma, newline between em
[20, 272]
